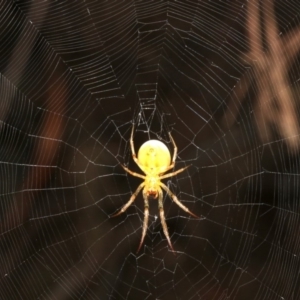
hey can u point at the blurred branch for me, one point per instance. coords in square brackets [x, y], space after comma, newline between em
[274, 101]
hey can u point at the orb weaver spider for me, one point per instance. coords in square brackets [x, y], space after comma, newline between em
[154, 159]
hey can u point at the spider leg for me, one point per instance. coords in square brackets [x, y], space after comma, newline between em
[132, 147]
[146, 218]
[175, 199]
[162, 218]
[173, 173]
[175, 152]
[132, 198]
[133, 151]
[133, 173]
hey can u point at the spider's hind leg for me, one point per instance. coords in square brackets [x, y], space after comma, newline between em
[175, 150]
[132, 146]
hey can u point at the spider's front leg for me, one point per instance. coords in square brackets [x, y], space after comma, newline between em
[146, 218]
[162, 218]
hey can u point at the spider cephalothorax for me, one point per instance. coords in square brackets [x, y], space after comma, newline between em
[154, 159]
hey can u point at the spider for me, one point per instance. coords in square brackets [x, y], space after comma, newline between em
[154, 159]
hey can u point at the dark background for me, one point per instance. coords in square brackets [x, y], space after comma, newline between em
[221, 76]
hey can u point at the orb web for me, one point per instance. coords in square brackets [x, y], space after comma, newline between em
[222, 77]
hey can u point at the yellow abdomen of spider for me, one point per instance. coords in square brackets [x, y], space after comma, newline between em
[154, 159]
